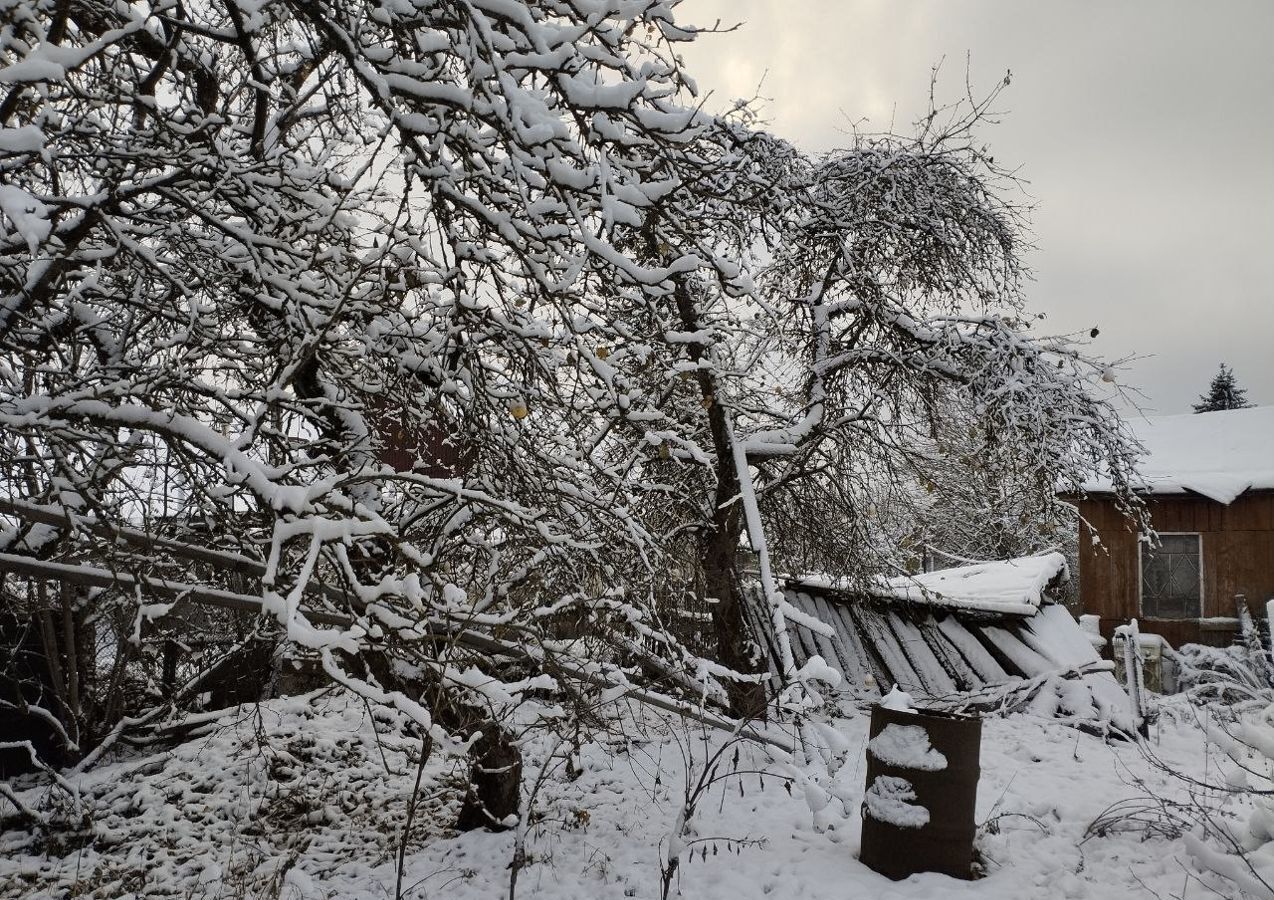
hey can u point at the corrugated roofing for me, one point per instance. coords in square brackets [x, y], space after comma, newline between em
[967, 651]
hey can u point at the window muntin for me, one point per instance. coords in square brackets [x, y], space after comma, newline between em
[1171, 578]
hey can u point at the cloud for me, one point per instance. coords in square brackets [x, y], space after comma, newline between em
[1143, 127]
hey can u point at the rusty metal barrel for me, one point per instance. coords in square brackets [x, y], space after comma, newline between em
[921, 790]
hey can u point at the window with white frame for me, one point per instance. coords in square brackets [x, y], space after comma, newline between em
[1171, 578]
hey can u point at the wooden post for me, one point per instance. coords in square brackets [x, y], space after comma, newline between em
[1133, 680]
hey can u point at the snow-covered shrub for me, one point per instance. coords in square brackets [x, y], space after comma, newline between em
[1225, 676]
[1241, 853]
[1224, 815]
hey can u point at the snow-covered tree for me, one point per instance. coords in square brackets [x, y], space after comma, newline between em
[413, 337]
[885, 274]
[972, 497]
[1223, 393]
[254, 251]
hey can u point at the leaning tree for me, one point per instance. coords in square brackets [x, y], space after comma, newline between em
[883, 299]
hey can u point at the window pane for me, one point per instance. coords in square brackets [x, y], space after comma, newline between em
[1170, 578]
[1182, 578]
[1187, 544]
[1154, 577]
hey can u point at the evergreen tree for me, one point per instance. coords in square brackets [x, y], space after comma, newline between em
[1223, 393]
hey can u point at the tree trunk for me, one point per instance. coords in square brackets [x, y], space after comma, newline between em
[25, 678]
[721, 544]
[494, 793]
[495, 782]
[735, 648]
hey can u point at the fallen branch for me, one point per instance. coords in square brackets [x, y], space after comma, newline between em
[79, 573]
[224, 560]
[232, 562]
[30, 815]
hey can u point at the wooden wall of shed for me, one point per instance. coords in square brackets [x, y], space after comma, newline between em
[1238, 558]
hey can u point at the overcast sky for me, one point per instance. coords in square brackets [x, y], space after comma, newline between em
[1145, 129]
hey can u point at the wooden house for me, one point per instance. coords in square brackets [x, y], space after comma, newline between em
[990, 636]
[1208, 479]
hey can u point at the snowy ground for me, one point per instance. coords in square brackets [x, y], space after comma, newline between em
[305, 799]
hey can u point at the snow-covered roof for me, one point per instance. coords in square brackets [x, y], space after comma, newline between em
[1217, 454]
[987, 637]
[1008, 587]
[1013, 586]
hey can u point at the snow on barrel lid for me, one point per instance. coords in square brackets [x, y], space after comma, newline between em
[1217, 454]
